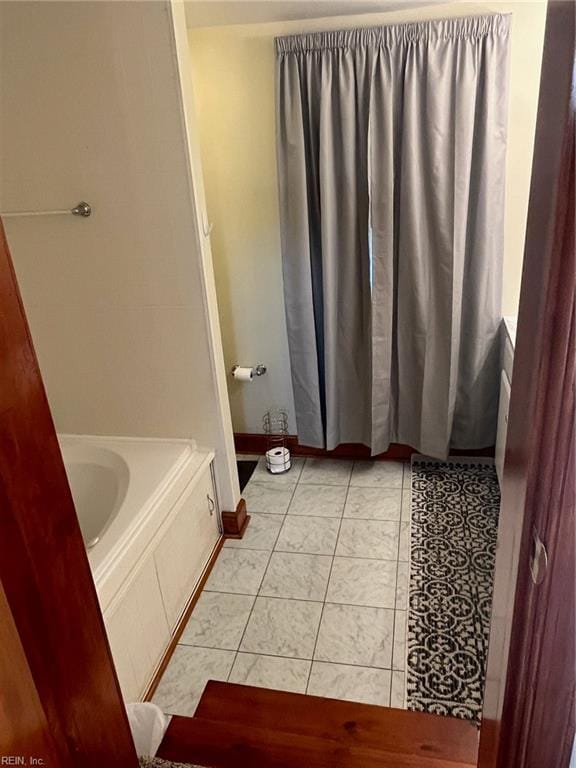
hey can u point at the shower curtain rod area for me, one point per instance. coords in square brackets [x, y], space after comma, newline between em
[82, 209]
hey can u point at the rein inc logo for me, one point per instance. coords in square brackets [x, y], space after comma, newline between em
[20, 760]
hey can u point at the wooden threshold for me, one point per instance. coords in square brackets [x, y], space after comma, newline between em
[194, 597]
[238, 726]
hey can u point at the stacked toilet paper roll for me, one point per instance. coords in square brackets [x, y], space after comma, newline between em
[278, 460]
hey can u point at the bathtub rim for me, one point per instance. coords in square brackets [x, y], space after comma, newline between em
[113, 574]
[113, 586]
[146, 524]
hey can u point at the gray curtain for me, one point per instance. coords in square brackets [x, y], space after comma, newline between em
[391, 149]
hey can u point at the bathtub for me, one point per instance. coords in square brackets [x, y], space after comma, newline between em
[124, 489]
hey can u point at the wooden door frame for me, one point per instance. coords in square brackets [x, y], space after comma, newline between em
[537, 425]
[60, 693]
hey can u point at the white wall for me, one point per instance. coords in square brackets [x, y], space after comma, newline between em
[233, 72]
[90, 108]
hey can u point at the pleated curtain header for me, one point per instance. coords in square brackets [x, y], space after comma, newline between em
[470, 28]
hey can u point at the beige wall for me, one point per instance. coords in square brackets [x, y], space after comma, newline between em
[233, 71]
[90, 107]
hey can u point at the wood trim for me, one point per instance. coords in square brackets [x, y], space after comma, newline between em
[233, 745]
[192, 167]
[255, 443]
[531, 674]
[246, 727]
[24, 729]
[180, 627]
[44, 568]
[234, 524]
[385, 728]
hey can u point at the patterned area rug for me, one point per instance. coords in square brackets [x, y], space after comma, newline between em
[455, 507]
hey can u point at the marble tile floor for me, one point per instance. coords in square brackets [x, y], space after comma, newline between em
[313, 599]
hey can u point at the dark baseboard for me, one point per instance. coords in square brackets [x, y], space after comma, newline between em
[234, 523]
[246, 442]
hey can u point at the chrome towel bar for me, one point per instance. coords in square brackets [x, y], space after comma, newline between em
[82, 209]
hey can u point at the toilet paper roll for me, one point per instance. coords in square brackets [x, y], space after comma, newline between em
[243, 374]
[278, 460]
[278, 469]
[277, 455]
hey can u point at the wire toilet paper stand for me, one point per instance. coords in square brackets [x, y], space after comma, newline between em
[275, 424]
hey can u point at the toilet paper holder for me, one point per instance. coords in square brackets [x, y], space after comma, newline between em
[257, 370]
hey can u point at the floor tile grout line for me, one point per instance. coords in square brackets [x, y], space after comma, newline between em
[396, 588]
[329, 577]
[284, 485]
[340, 518]
[348, 557]
[324, 602]
[305, 600]
[294, 658]
[325, 593]
[297, 515]
[317, 554]
[274, 549]
[263, 578]
[255, 599]
[325, 554]
[392, 668]
[407, 474]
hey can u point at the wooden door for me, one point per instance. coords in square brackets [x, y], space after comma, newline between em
[58, 688]
[24, 730]
[529, 710]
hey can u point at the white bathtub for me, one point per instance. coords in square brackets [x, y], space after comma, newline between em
[123, 489]
[149, 515]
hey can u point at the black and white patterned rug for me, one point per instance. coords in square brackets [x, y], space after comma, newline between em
[455, 507]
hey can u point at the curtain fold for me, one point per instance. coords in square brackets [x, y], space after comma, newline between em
[391, 148]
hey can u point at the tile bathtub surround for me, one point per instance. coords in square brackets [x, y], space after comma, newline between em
[314, 598]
